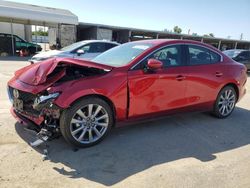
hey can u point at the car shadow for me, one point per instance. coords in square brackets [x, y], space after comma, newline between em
[135, 148]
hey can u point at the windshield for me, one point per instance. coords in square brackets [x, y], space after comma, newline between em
[122, 55]
[232, 53]
[73, 46]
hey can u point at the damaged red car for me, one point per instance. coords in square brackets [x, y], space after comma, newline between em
[83, 100]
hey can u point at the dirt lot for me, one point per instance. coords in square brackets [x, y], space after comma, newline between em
[188, 150]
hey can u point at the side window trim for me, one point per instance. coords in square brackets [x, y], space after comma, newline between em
[166, 46]
[184, 52]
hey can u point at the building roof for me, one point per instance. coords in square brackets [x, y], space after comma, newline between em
[163, 33]
[35, 15]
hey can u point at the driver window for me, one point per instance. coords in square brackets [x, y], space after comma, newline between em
[170, 57]
[97, 47]
[86, 48]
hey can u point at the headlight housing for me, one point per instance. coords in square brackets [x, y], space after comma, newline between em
[9, 94]
[44, 99]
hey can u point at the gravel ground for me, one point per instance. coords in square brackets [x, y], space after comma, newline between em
[187, 150]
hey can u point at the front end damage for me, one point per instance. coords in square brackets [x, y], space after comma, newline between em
[32, 93]
[37, 112]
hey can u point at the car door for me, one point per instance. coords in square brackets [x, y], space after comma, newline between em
[205, 75]
[161, 90]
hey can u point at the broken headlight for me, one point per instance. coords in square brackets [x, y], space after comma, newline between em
[44, 99]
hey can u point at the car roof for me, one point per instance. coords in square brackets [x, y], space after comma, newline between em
[163, 41]
[159, 42]
[100, 41]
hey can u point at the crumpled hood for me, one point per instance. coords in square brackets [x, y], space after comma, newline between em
[37, 74]
[47, 54]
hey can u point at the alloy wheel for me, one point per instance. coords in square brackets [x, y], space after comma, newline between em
[226, 102]
[89, 123]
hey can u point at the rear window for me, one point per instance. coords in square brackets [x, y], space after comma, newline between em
[199, 55]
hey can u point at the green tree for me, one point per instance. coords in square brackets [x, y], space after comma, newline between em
[40, 32]
[167, 31]
[211, 34]
[177, 29]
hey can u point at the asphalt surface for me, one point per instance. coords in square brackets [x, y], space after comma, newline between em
[186, 150]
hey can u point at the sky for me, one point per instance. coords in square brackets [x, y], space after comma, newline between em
[223, 18]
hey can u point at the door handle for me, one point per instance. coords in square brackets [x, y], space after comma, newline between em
[218, 74]
[180, 78]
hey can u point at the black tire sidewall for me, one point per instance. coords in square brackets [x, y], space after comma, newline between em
[69, 113]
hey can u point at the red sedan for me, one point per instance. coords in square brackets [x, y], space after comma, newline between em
[83, 99]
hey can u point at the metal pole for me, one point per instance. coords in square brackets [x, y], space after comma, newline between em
[219, 44]
[129, 36]
[201, 39]
[181, 37]
[157, 36]
[59, 35]
[12, 37]
[36, 37]
[235, 46]
[44, 36]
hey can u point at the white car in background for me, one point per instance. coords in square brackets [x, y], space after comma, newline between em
[87, 49]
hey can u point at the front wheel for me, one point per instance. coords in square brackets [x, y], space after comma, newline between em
[87, 122]
[225, 102]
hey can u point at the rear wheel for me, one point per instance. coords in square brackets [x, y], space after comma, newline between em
[225, 102]
[87, 122]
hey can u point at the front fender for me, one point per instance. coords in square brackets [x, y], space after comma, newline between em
[113, 88]
[66, 99]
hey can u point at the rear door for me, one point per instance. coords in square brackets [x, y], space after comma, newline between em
[205, 75]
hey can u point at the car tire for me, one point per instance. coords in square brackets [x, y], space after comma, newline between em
[225, 102]
[86, 122]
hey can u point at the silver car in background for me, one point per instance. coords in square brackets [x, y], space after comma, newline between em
[87, 49]
[239, 55]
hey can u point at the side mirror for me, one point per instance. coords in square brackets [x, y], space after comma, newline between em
[154, 64]
[80, 52]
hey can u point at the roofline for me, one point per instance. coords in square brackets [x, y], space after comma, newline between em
[35, 15]
[160, 32]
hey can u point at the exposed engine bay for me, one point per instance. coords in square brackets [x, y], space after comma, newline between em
[73, 72]
[40, 105]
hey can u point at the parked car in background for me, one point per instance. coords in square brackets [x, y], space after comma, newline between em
[22, 44]
[87, 49]
[241, 56]
[144, 79]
